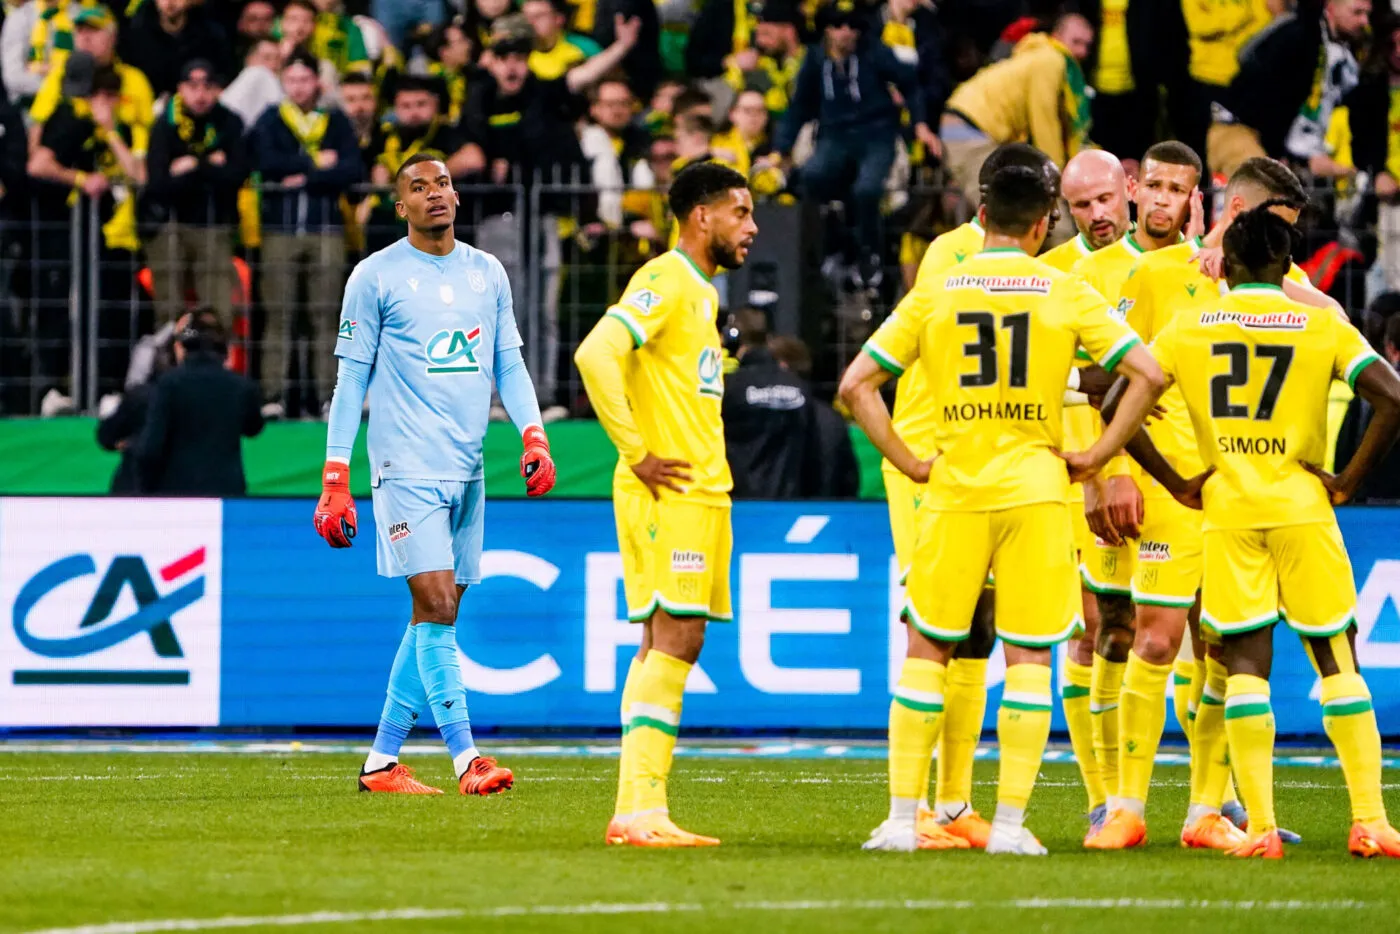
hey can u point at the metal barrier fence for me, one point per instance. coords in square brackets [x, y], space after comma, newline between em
[84, 312]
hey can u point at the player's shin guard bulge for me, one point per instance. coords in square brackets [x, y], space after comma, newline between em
[964, 707]
[915, 714]
[1249, 724]
[1142, 716]
[656, 718]
[1023, 728]
[1350, 722]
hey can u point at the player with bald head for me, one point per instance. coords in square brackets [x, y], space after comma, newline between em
[1097, 191]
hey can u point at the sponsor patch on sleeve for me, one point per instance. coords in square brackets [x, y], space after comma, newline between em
[644, 301]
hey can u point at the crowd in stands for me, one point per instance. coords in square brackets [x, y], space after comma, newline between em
[155, 154]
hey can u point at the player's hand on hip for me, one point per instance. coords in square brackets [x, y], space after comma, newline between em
[536, 466]
[1123, 500]
[659, 472]
[335, 518]
[1080, 465]
[1190, 495]
[1339, 487]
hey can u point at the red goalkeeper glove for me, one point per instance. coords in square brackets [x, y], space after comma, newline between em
[536, 466]
[335, 513]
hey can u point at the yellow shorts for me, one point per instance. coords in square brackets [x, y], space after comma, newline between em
[675, 555]
[1029, 548]
[904, 496]
[1298, 573]
[1168, 566]
[1107, 569]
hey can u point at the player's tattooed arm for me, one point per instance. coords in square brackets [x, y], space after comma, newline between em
[860, 391]
[1380, 387]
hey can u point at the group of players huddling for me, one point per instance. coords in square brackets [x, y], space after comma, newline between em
[1014, 511]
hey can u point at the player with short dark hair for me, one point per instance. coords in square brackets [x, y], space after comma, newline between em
[996, 337]
[653, 373]
[1255, 368]
[429, 328]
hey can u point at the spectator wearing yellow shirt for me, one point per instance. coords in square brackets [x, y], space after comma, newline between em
[95, 32]
[337, 39]
[556, 50]
[1218, 29]
[36, 39]
[770, 65]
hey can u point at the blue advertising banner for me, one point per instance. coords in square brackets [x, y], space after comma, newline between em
[201, 613]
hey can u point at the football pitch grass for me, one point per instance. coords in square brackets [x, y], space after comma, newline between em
[124, 843]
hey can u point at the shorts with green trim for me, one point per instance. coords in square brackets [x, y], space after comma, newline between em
[1029, 549]
[1167, 570]
[1298, 574]
[675, 555]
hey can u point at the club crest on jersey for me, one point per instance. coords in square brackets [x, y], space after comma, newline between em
[413, 284]
[708, 370]
[446, 294]
[644, 300]
[477, 281]
[346, 332]
[453, 351]
[1001, 285]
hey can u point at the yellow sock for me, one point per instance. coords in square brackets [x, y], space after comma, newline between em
[1182, 673]
[1249, 723]
[1105, 684]
[656, 719]
[1350, 723]
[1210, 750]
[1142, 715]
[625, 783]
[1023, 727]
[964, 706]
[915, 712]
[1074, 696]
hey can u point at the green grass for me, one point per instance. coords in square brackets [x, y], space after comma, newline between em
[91, 839]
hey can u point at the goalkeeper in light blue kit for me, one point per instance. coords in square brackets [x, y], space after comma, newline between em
[429, 327]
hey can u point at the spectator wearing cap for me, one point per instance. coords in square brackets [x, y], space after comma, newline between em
[770, 65]
[309, 155]
[337, 39]
[845, 85]
[198, 414]
[95, 33]
[450, 51]
[86, 148]
[556, 49]
[163, 35]
[35, 40]
[1036, 96]
[198, 161]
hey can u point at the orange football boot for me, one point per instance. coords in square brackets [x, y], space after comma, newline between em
[1212, 832]
[1260, 845]
[397, 780]
[1122, 831]
[616, 834]
[932, 835]
[972, 827]
[655, 829]
[1378, 839]
[485, 777]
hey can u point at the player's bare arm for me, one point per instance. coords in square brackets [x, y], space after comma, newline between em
[1141, 449]
[860, 391]
[1380, 387]
[1145, 385]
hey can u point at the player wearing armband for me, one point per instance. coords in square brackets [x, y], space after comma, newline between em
[429, 328]
[653, 373]
[996, 337]
[1254, 369]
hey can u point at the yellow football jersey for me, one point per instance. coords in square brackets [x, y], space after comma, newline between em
[1064, 256]
[674, 377]
[1256, 369]
[1163, 284]
[996, 337]
[1217, 30]
[913, 406]
[1081, 421]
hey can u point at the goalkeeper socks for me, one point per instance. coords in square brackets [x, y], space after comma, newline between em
[1210, 758]
[441, 672]
[1182, 673]
[625, 767]
[651, 731]
[1023, 727]
[1350, 723]
[964, 706]
[1074, 696]
[1105, 685]
[405, 698]
[1142, 716]
[915, 714]
[1249, 723]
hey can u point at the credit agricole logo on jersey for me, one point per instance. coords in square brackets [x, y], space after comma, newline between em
[453, 351]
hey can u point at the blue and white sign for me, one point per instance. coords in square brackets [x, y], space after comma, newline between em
[149, 613]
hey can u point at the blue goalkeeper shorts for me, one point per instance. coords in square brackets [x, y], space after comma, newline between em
[430, 525]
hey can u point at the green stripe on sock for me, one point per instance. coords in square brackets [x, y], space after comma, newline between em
[1191, 715]
[1021, 705]
[918, 705]
[1212, 701]
[1180, 679]
[1073, 691]
[661, 725]
[1248, 710]
[1347, 709]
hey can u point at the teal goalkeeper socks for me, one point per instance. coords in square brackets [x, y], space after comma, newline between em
[405, 699]
[442, 680]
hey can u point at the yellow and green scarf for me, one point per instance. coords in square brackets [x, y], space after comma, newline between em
[197, 143]
[396, 153]
[456, 89]
[52, 32]
[308, 128]
[1076, 99]
[339, 41]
